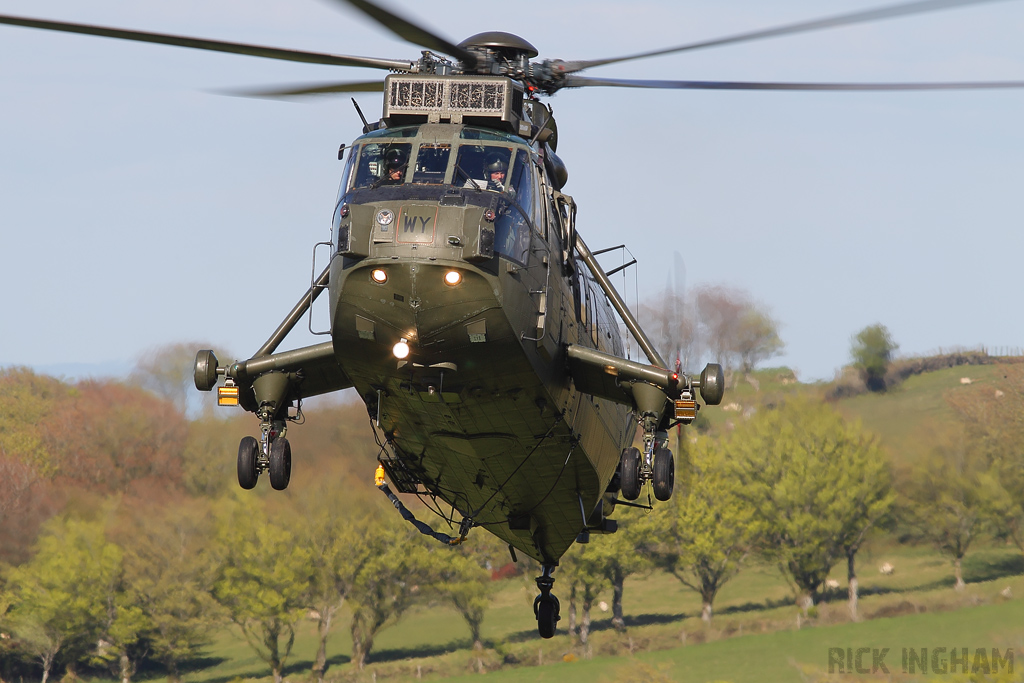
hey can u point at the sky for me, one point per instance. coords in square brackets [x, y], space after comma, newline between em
[139, 207]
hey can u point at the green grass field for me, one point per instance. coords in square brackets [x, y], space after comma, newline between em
[754, 636]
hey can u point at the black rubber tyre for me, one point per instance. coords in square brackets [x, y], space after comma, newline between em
[629, 474]
[248, 450]
[547, 616]
[280, 463]
[664, 474]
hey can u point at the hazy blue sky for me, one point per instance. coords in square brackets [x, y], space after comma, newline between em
[136, 208]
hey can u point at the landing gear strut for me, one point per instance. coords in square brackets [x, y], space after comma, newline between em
[655, 465]
[271, 452]
[545, 606]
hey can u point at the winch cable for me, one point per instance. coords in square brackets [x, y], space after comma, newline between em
[422, 527]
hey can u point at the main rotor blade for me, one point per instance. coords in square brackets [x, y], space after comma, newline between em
[583, 81]
[877, 14]
[213, 45]
[312, 89]
[414, 33]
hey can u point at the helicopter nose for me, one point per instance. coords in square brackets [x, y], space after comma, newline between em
[414, 310]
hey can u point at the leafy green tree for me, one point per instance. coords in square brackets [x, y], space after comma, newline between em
[872, 350]
[340, 542]
[26, 401]
[947, 502]
[207, 465]
[582, 568]
[703, 536]
[59, 599]
[263, 579]
[618, 556]
[462, 581]
[119, 647]
[756, 338]
[170, 566]
[386, 586]
[814, 482]
[27, 463]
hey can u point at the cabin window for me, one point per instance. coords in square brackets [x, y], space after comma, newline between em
[482, 167]
[382, 163]
[523, 188]
[431, 164]
[496, 136]
[512, 232]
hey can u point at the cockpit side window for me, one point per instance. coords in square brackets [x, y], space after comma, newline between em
[346, 175]
[382, 163]
[522, 183]
[431, 163]
[483, 167]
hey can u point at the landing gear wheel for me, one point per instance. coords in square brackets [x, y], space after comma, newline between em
[546, 609]
[280, 463]
[248, 450]
[664, 474]
[629, 474]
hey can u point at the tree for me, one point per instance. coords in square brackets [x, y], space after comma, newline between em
[386, 586]
[618, 556]
[669, 321]
[719, 310]
[263, 579]
[735, 328]
[340, 542]
[757, 338]
[27, 462]
[703, 536]
[581, 568]
[993, 419]
[59, 599]
[946, 502]
[815, 482]
[872, 349]
[170, 566]
[467, 585]
[113, 435]
[167, 371]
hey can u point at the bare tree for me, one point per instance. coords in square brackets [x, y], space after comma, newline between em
[167, 372]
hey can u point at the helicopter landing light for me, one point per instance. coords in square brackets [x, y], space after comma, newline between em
[379, 276]
[686, 409]
[401, 349]
[452, 278]
[227, 396]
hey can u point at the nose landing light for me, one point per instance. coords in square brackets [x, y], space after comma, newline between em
[379, 276]
[401, 349]
[452, 278]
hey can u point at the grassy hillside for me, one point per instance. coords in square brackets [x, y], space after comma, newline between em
[909, 417]
[916, 410]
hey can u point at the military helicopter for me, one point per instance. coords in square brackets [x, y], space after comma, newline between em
[465, 309]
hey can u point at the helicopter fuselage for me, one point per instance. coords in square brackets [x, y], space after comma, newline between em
[482, 412]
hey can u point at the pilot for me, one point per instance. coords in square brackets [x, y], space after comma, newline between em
[495, 167]
[395, 161]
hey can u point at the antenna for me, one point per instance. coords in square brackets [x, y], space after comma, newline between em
[366, 126]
